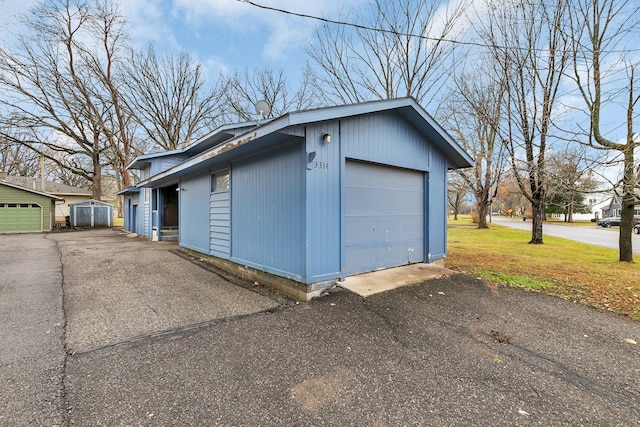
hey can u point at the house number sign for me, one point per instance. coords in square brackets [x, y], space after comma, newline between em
[320, 165]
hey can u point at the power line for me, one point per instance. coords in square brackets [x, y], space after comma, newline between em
[395, 33]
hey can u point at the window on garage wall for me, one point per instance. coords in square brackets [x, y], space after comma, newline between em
[220, 181]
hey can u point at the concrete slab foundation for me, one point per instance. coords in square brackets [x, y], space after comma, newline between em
[385, 280]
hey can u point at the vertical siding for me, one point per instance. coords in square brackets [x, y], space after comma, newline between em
[220, 220]
[384, 138]
[140, 214]
[161, 164]
[267, 211]
[323, 202]
[194, 201]
[126, 201]
[437, 197]
[388, 139]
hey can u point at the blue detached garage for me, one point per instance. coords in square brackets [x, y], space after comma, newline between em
[313, 196]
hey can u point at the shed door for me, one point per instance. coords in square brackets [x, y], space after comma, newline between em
[384, 214]
[19, 217]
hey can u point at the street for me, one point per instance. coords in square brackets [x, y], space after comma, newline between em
[605, 237]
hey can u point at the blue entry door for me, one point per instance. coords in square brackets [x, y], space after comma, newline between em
[384, 217]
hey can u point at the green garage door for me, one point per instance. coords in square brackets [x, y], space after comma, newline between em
[20, 217]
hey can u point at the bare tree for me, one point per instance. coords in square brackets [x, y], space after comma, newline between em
[245, 89]
[16, 159]
[527, 40]
[457, 190]
[105, 61]
[52, 89]
[169, 99]
[399, 49]
[475, 116]
[604, 36]
[571, 179]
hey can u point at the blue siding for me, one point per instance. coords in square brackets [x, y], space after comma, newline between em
[384, 138]
[194, 201]
[267, 211]
[220, 220]
[437, 197]
[161, 164]
[323, 203]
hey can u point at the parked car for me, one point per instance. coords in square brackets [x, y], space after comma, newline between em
[609, 222]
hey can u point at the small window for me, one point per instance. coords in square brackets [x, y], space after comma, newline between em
[24, 205]
[12, 205]
[2, 205]
[33, 205]
[220, 181]
[146, 195]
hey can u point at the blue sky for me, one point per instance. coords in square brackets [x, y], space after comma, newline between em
[223, 34]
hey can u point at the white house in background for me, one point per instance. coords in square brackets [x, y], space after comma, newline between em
[597, 203]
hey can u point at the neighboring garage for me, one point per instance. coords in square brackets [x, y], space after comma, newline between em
[91, 213]
[23, 210]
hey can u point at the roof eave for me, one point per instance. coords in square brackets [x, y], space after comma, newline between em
[18, 187]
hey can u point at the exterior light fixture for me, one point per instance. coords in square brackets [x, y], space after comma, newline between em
[326, 138]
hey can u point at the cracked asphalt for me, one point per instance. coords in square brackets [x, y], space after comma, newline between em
[155, 337]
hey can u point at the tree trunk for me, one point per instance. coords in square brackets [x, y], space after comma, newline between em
[628, 202]
[537, 216]
[97, 177]
[482, 198]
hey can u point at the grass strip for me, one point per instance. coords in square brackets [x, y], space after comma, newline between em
[586, 274]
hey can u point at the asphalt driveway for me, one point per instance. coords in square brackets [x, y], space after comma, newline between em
[32, 354]
[119, 288]
[158, 339]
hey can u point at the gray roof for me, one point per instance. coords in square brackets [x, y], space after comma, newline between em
[55, 188]
[269, 132]
[128, 190]
[216, 137]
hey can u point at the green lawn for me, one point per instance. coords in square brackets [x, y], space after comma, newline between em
[587, 274]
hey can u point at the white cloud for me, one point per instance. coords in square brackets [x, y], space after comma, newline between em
[148, 24]
[277, 33]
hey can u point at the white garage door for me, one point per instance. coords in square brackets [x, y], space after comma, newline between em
[384, 217]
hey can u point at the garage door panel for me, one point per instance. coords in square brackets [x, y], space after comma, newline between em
[384, 217]
[368, 175]
[374, 201]
[381, 255]
[361, 230]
